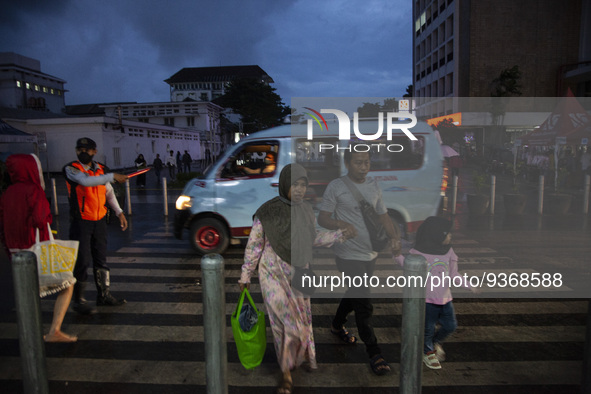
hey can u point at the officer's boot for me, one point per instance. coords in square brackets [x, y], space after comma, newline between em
[80, 304]
[104, 296]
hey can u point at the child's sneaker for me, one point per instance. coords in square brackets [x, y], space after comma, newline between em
[431, 361]
[439, 352]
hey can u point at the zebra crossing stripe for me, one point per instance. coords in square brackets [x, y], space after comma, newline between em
[322, 335]
[350, 375]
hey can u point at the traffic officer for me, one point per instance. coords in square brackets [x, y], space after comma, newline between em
[89, 189]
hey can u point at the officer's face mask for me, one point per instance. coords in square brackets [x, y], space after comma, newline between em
[85, 158]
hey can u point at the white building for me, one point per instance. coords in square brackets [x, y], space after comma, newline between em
[209, 83]
[33, 102]
[24, 86]
[118, 142]
[188, 117]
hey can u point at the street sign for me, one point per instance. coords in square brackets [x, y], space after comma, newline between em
[403, 105]
[41, 141]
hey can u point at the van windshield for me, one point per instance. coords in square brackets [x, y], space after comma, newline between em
[255, 159]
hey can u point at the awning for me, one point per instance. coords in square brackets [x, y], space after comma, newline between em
[9, 134]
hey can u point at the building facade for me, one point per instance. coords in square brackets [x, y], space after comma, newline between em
[191, 120]
[24, 86]
[118, 142]
[461, 46]
[34, 102]
[209, 83]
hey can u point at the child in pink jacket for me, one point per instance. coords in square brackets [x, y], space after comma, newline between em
[433, 241]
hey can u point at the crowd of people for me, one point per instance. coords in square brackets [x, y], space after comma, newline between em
[175, 164]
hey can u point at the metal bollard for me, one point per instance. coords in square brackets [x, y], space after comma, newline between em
[541, 195]
[165, 193]
[214, 324]
[493, 183]
[586, 194]
[54, 196]
[413, 326]
[30, 326]
[454, 194]
[128, 196]
[586, 381]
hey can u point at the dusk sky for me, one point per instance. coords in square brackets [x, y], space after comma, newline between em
[123, 50]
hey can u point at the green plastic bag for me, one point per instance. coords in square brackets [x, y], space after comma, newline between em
[251, 345]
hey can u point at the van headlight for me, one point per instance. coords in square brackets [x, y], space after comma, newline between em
[183, 202]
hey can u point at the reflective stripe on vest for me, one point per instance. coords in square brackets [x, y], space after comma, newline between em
[91, 200]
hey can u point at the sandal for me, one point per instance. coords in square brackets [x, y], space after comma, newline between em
[345, 336]
[378, 365]
[286, 387]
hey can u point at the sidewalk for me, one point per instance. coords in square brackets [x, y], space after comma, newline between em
[529, 220]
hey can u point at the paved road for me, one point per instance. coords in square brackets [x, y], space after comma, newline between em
[154, 343]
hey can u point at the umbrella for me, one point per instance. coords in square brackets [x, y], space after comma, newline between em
[448, 151]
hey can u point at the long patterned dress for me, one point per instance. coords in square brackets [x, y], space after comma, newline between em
[290, 315]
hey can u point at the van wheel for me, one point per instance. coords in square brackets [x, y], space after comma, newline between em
[209, 236]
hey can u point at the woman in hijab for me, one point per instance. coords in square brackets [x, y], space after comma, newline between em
[433, 241]
[270, 248]
[23, 209]
[140, 164]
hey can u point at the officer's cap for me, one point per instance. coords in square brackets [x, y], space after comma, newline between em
[85, 143]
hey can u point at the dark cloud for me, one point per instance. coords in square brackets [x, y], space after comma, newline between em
[14, 13]
[123, 50]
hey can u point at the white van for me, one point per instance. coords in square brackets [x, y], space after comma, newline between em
[218, 208]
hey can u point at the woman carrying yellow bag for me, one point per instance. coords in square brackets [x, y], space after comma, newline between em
[24, 209]
[269, 247]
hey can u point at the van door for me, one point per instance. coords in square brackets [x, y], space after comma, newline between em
[248, 178]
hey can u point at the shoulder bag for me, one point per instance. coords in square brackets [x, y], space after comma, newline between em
[377, 233]
[55, 262]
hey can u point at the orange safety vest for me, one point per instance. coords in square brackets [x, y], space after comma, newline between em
[87, 203]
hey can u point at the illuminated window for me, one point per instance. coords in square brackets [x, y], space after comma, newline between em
[36, 88]
[52, 91]
[18, 84]
[45, 89]
[28, 86]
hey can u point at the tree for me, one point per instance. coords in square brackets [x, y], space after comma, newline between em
[369, 110]
[448, 131]
[507, 83]
[389, 105]
[409, 91]
[504, 86]
[256, 102]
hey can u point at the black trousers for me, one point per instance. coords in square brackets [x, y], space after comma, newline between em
[359, 301]
[92, 236]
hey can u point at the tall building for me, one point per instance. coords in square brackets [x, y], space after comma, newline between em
[461, 46]
[24, 86]
[209, 83]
